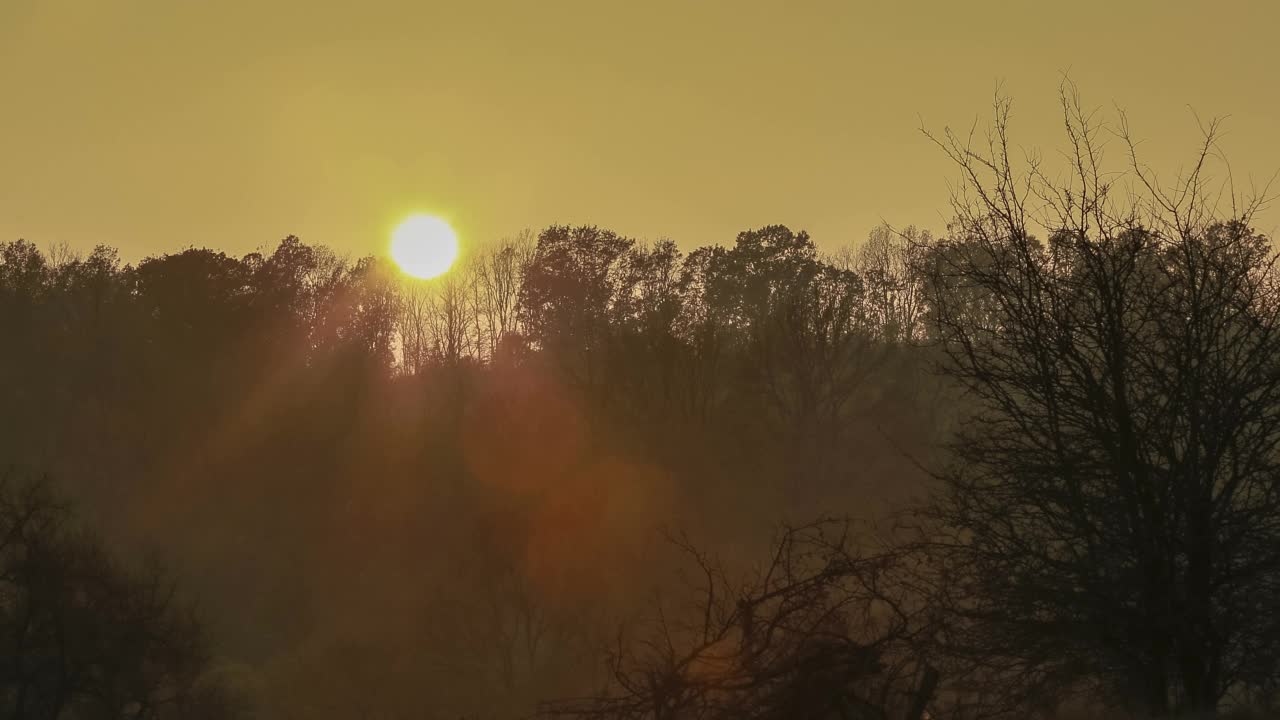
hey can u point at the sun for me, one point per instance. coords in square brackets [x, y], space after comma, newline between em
[424, 246]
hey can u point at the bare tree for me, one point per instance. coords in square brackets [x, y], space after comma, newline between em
[499, 272]
[820, 631]
[438, 320]
[892, 291]
[411, 322]
[451, 317]
[1110, 518]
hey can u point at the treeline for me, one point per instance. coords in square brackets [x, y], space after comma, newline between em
[1023, 467]
[347, 466]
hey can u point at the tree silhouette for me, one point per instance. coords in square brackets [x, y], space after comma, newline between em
[82, 636]
[1109, 518]
[822, 630]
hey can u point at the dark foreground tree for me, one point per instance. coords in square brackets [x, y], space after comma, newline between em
[82, 636]
[1112, 518]
[822, 631]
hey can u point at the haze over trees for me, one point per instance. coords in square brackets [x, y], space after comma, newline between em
[1024, 465]
[85, 637]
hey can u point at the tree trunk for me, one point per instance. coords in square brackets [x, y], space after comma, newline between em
[923, 694]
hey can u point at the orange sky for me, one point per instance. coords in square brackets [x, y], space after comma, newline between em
[154, 125]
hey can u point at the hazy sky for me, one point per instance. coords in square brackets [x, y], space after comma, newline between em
[154, 125]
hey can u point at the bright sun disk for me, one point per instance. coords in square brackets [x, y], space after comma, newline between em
[424, 246]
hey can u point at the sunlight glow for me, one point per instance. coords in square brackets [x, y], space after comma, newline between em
[424, 246]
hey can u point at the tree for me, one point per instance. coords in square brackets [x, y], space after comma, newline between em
[81, 636]
[645, 355]
[821, 631]
[1110, 518]
[804, 346]
[451, 319]
[499, 272]
[354, 315]
[569, 297]
[892, 294]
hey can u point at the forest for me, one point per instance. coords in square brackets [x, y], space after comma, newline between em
[1026, 465]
